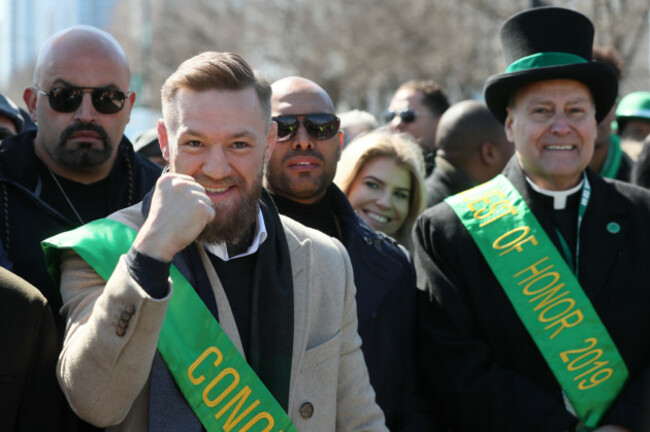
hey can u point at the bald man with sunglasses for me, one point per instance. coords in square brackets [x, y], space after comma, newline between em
[300, 176]
[78, 165]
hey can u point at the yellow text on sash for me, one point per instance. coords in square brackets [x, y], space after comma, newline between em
[496, 210]
[555, 307]
[224, 391]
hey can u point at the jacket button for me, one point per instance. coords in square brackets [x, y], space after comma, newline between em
[306, 410]
[124, 316]
[130, 309]
[120, 331]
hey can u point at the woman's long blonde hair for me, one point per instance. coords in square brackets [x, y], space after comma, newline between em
[398, 147]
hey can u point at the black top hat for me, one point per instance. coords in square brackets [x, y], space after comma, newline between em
[550, 43]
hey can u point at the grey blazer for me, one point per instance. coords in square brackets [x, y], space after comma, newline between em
[106, 376]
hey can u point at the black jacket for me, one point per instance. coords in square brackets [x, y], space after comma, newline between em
[446, 180]
[30, 396]
[26, 219]
[385, 282]
[487, 372]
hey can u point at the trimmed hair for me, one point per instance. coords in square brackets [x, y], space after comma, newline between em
[402, 149]
[212, 70]
[432, 95]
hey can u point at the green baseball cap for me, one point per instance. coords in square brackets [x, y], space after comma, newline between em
[636, 105]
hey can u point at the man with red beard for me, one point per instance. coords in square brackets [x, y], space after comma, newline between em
[77, 166]
[262, 323]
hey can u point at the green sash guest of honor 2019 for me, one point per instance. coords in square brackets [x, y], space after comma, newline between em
[545, 294]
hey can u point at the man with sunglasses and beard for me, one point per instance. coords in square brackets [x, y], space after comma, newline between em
[200, 308]
[300, 177]
[78, 165]
[415, 109]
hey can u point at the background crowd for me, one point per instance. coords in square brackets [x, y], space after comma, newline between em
[362, 180]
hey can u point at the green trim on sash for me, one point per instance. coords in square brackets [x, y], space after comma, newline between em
[219, 385]
[546, 295]
[544, 59]
[613, 159]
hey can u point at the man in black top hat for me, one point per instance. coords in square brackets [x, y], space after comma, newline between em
[538, 313]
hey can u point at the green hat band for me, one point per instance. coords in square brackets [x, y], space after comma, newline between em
[545, 59]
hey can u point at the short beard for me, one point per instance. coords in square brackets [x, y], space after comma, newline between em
[305, 187]
[233, 222]
[83, 157]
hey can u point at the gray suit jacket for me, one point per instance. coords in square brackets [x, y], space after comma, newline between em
[106, 376]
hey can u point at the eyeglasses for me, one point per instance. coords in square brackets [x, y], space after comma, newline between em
[68, 99]
[407, 116]
[319, 126]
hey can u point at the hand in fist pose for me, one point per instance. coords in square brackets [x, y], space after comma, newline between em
[180, 210]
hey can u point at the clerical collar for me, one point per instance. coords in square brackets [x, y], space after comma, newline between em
[221, 251]
[559, 197]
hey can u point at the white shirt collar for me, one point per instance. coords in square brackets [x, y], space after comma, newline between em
[559, 197]
[221, 251]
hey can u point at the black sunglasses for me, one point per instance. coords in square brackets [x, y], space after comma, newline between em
[407, 116]
[319, 126]
[67, 99]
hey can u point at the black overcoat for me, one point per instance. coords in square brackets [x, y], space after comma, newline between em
[30, 397]
[483, 368]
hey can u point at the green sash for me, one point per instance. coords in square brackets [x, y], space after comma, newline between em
[614, 157]
[219, 385]
[546, 296]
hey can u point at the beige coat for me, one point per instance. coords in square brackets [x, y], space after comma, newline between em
[105, 376]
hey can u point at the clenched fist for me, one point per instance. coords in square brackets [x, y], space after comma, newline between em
[179, 212]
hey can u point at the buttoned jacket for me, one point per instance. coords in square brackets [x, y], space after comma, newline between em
[488, 373]
[104, 371]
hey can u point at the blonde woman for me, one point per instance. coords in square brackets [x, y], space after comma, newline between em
[382, 174]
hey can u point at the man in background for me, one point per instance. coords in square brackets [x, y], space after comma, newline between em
[415, 109]
[356, 123]
[609, 158]
[472, 149]
[633, 120]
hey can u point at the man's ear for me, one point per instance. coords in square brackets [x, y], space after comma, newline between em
[163, 139]
[128, 105]
[338, 156]
[30, 96]
[271, 137]
[488, 153]
[510, 119]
